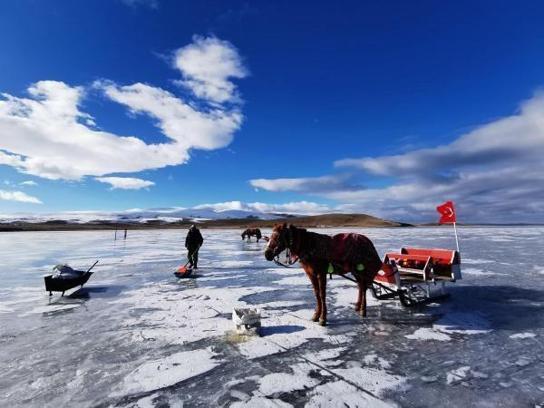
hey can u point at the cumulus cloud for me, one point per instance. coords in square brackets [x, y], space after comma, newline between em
[18, 196]
[125, 183]
[48, 135]
[186, 126]
[207, 66]
[495, 173]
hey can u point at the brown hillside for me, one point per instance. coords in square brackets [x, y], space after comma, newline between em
[316, 221]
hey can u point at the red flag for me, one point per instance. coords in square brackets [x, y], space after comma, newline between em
[447, 213]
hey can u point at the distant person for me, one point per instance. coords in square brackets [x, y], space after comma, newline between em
[193, 242]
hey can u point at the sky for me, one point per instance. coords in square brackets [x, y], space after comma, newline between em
[385, 108]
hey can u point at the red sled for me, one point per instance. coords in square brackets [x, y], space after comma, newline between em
[414, 274]
[183, 272]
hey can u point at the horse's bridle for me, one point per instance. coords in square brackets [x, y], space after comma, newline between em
[288, 245]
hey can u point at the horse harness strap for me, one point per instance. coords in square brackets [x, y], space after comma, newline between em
[291, 261]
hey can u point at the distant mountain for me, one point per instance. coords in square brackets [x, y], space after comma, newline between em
[141, 216]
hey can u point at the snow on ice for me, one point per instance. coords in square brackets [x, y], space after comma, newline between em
[135, 336]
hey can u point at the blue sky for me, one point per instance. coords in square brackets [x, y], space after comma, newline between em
[387, 109]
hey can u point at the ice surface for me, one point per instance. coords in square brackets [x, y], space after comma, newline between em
[135, 336]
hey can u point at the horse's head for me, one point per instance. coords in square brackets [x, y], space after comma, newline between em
[281, 239]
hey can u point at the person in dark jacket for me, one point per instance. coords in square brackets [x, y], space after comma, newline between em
[193, 242]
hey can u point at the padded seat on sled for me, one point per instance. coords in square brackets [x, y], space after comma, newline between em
[427, 264]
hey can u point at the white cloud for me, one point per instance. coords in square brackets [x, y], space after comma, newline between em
[298, 207]
[511, 140]
[28, 183]
[303, 184]
[186, 126]
[47, 134]
[207, 65]
[18, 196]
[494, 173]
[125, 183]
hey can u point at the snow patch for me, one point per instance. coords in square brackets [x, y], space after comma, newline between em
[168, 371]
[374, 359]
[340, 394]
[526, 335]
[260, 402]
[371, 379]
[457, 375]
[463, 323]
[426, 333]
[283, 382]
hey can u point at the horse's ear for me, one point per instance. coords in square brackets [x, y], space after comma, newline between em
[284, 225]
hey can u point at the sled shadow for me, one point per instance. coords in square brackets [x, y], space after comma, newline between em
[501, 307]
[287, 329]
[87, 292]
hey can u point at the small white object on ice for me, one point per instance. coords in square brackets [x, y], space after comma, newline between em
[247, 321]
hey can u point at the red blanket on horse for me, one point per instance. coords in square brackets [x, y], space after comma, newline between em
[350, 252]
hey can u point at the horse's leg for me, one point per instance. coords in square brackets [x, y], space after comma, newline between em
[359, 293]
[362, 296]
[322, 280]
[311, 275]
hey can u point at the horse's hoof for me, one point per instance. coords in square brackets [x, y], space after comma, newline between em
[315, 318]
[362, 313]
[322, 322]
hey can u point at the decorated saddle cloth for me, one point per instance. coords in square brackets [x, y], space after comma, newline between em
[353, 253]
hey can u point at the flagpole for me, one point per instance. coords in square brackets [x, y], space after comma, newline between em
[456, 239]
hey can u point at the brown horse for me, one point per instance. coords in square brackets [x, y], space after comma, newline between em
[252, 232]
[320, 254]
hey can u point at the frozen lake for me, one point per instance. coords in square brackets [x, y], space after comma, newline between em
[136, 336]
